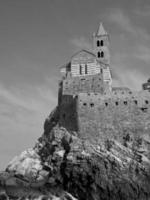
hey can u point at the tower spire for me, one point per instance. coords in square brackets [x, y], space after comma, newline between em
[101, 31]
[101, 45]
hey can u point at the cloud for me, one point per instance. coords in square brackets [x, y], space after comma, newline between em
[123, 21]
[127, 70]
[116, 16]
[31, 99]
[81, 43]
[142, 52]
[14, 97]
[144, 12]
[129, 78]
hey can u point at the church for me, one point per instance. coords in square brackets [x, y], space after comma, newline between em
[88, 103]
[89, 71]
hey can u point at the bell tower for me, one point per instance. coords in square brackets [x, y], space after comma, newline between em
[101, 45]
[101, 51]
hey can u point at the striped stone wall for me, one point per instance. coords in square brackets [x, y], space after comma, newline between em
[85, 69]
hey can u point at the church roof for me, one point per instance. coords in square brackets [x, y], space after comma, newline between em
[101, 30]
[64, 66]
[76, 54]
[84, 51]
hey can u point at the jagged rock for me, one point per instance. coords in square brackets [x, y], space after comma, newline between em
[35, 196]
[61, 165]
[3, 196]
[27, 169]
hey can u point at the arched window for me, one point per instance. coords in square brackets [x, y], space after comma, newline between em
[92, 104]
[98, 43]
[102, 43]
[86, 69]
[98, 55]
[125, 102]
[102, 54]
[80, 69]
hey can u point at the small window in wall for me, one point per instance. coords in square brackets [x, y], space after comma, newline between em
[98, 55]
[106, 104]
[102, 43]
[86, 69]
[84, 104]
[135, 101]
[80, 69]
[146, 101]
[92, 104]
[117, 103]
[102, 54]
[98, 43]
[125, 102]
[144, 109]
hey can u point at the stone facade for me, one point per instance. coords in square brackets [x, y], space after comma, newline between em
[114, 114]
[90, 105]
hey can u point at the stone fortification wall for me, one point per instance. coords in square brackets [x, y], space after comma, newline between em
[84, 84]
[68, 112]
[113, 115]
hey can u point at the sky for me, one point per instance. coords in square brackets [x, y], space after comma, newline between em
[39, 36]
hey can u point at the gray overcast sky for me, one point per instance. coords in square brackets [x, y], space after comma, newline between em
[38, 36]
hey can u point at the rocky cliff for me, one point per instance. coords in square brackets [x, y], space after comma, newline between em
[64, 167]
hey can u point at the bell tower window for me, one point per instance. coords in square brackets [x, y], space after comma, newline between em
[98, 43]
[102, 43]
[102, 54]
